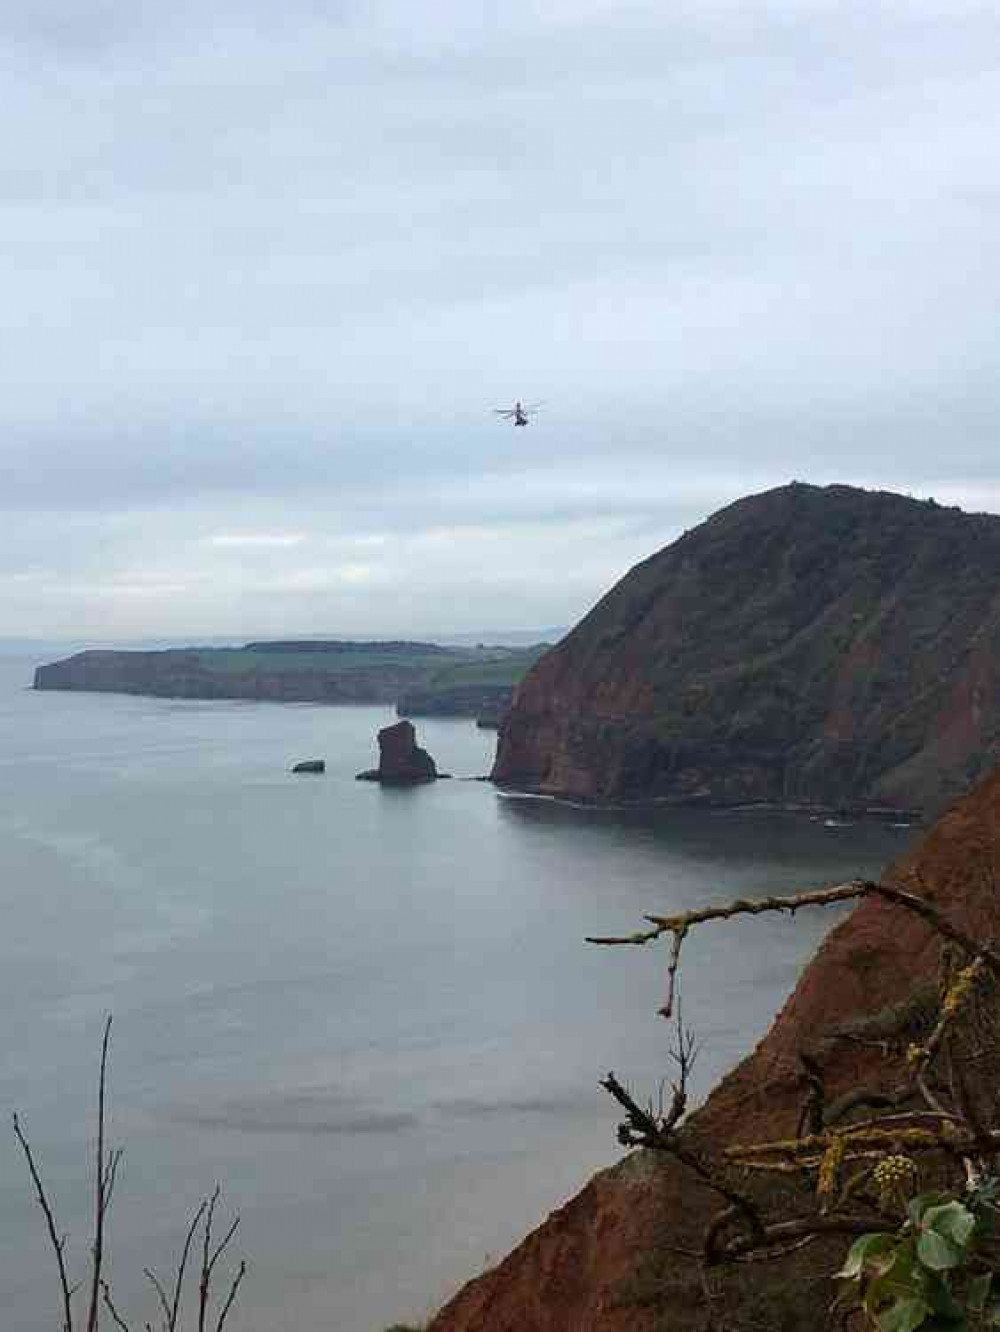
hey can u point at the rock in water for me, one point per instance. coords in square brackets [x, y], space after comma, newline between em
[401, 760]
[310, 765]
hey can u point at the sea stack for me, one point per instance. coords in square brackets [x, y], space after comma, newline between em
[401, 760]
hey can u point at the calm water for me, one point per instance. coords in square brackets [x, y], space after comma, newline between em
[368, 1013]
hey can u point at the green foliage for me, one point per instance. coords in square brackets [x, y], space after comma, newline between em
[507, 667]
[933, 1273]
[249, 661]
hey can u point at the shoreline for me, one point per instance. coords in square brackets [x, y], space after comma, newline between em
[900, 816]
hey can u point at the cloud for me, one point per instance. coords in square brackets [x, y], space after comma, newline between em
[266, 540]
[266, 274]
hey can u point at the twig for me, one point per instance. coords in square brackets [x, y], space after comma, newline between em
[210, 1256]
[161, 1295]
[103, 1177]
[679, 925]
[182, 1265]
[864, 1096]
[58, 1242]
[741, 906]
[811, 1114]
[204, 1281]
[119, 1321]
[240, 1274]
[642, 1130]
[938, 921]
[784, 1232]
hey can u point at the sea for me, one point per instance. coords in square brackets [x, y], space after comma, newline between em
[370, 1015]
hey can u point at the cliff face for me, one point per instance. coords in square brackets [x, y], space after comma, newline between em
[818, 645]
[612, 1259]
[423, 679]
[285, 672]
[484, 687]
[458, 701]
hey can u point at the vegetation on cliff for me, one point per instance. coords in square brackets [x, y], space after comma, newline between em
[889, 1048]
[484, 687]
[817, 645]
[444, 679]
[922, 1260]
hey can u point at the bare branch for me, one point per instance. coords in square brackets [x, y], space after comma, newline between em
[869, 1097]
[110, 1177]
[784, 1232]
[667, 1007]
[814, 1105]
[938, 921]
[101, 1179]
[240, 1274]
[742, 906]
[182, 1266]
[204, 1281]
[952, 1126]
[679, 925]
[161, 1295]
[642, 1130]
[210, 1256]
[101, 1301]
[222, 1245]
[120, 1322]
[938, 1133]
[58, 1241]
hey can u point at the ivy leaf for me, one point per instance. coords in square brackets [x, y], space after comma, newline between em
[953, 1220]
[863, 1249]
[901, 1278]
[904, 1316]
[917, 1206]
[937, 1252]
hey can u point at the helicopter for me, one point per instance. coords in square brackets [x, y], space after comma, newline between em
[520, 414]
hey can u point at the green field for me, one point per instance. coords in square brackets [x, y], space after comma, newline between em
[249, 661]
[508, 669]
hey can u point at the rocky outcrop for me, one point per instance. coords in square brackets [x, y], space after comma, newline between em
[401, 760]
[310, 765]
[492, 720]
[827, 646]
[612, 1259]
[465, 700]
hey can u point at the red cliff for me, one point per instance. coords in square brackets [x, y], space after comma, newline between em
[818, 645]
[614, 1258]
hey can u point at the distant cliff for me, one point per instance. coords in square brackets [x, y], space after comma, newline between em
[817, 645]
[334, 671]
[421, 678]
[481, 688]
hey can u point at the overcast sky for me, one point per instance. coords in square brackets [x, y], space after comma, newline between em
[268, 268]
